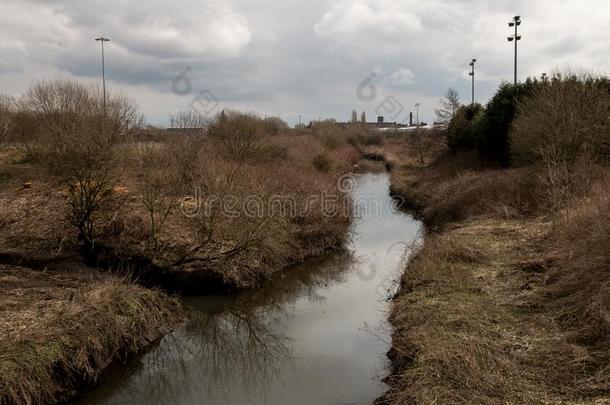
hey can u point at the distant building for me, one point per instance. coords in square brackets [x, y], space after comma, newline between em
[380, 124]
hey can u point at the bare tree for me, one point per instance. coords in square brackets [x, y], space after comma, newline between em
[158, 182]
[239, 134]
[354, 117]
[422, 144]
[7, 111]
[567, 120]
[363, 118]
[563, 128]
[24, 132]
[450, 104]
[77, 138]
[188, 119]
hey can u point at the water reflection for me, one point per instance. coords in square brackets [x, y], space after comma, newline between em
[315, 335]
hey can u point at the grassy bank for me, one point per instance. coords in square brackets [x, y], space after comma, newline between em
[508, 301]
[61, 329]
[502, 304]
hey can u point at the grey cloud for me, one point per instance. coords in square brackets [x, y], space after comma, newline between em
[293, 57]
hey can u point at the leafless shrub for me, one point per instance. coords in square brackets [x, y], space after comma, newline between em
[423, 144]
[24, 132]
[274, 125]
[322, 163]
[189, 120]
[158, 184]
[232, 239]
[76, 139]
[238, 134]
[329, 134]
[564, 121]
[7, 111]
[563, 125]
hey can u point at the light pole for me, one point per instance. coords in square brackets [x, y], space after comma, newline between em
[472, 74]
[417, 105]
[102, 40]
[516, 22]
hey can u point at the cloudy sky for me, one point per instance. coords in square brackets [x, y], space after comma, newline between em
[316, 58]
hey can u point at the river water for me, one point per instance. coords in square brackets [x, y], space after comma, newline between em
[317, 335]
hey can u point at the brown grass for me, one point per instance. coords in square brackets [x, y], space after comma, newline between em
[468, 329]
[508, 301]
[578, 287]
[61, 329]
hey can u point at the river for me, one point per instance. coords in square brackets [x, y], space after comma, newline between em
[317, 335]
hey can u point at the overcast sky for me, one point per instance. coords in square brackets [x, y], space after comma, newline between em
[291, 58]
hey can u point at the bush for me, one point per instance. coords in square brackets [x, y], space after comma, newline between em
[24, 131]
[330, 135]
[460, 132]
[372, 139]
[274, 125]
[322, 162]
[238, 134]
[564, 121]
[75, 139]
[492, 137]
[561, 128]
[7, 105]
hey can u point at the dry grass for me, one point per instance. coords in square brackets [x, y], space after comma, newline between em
[469, 329]
[508, 301]
[578, 287]
[59, 330]
[455, 188]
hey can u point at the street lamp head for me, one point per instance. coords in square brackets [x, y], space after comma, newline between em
[511, 24]
[510, 39]
[517, 18]
[102, 39]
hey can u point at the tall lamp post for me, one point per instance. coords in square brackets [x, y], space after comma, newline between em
[472, 74]
[102, 40]
[417, 105]
[516, 22]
